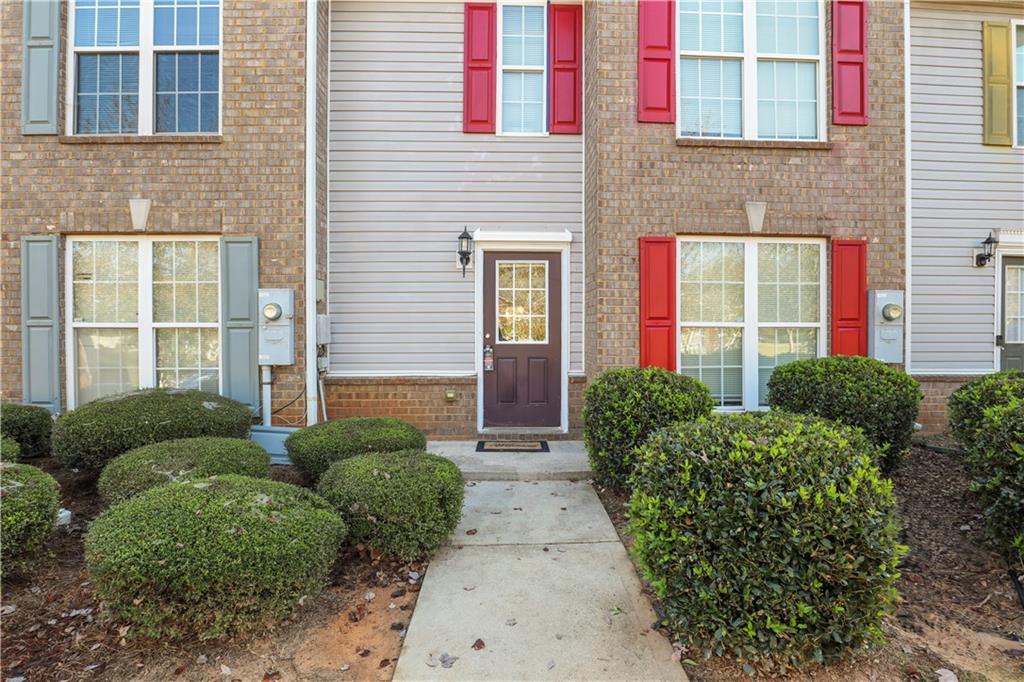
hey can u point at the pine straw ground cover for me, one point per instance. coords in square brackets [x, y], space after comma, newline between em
[51, 630]
[959, 610]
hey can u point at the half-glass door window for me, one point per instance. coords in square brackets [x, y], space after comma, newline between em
[745, 308]
[144, 313]
[522, 308]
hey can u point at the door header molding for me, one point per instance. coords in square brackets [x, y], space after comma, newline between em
[531, 240]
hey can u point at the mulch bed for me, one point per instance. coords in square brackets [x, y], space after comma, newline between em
[960, 610]
[53, 628]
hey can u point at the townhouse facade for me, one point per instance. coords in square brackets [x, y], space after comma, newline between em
[966, 189]
[465, 211]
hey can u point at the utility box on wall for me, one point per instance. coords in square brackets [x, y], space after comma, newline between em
[277, 327]
[885, 325]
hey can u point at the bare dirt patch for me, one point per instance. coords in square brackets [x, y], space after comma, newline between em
[53, 629]
[959, 611]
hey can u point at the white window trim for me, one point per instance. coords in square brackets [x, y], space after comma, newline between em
[147, 71]
[497, 307]
[750, 324]
[520, 69]
[748, 73]
[1017, 82]
[145, 324]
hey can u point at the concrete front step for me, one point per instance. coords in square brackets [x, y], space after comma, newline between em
[567, 461]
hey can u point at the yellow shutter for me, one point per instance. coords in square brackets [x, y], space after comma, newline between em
[997, 82]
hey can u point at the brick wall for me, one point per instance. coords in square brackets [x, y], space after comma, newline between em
[421, 402]
[248, 181]
[640, 182]
[934, 415]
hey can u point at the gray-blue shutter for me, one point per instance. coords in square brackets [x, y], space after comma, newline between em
[40, 322]
[239, 274]
[40, 55]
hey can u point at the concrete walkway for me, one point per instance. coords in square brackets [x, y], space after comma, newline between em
[567, 461]
[536, 572]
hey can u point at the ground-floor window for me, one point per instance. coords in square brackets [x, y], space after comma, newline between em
[747, 306]
[143, 312]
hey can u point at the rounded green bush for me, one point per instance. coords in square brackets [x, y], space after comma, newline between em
[314, 448]
[90, 436]
[10, 451]
[29, 425]
[968, 403]
[210, 557]
[404, 504]
[177, 460]
[857, 391]
[769, 537]
[622, 407]
[29, 502]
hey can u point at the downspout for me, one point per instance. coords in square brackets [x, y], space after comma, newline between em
[312, 375]
[908, 192]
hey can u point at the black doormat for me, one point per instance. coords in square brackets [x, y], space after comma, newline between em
[512, 446]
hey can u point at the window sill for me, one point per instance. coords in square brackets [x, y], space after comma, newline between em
[141, 139]
[751, 144]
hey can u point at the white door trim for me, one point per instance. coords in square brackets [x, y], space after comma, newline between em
[546, 242]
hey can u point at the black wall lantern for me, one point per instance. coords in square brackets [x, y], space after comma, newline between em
[988, 251]
[465, 249]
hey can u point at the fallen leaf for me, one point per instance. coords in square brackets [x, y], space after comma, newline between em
[385, 662]
[180, 670]
[271, 676]
[471, 531]
[224, 670]
[478, 644]
[432, 661]
[448, 661]
[469, 588]
[510, 622]
[364, 653]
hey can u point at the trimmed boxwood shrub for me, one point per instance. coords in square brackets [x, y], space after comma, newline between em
[315, 448]
[9, 449]
[182, 459]
[90, 436]
[622, 407]
[968, 403]
[404, 504]
[857, 391]
[769, 537]
[210, 557]
[997, 463]
[29, 502]
[29, 425]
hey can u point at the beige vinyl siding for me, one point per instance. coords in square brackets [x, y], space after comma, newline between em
[960, 190]
[405, 179]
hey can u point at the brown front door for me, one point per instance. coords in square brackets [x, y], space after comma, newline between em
[522, 362]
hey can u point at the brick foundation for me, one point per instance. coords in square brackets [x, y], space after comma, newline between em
[421, 402]
[934, 415]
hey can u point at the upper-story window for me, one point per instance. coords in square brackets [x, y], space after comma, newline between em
[750, 69]
[522, 82]
[1018, 79]
[143, 67]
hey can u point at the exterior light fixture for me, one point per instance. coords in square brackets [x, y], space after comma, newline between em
[139, 210]
[465, 249]
[988, 251]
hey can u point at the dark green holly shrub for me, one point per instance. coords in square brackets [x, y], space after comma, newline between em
[968, 403]
[769, 537]
[315, 448]
[996, 462]
[29, 425]
[93, 434]
[210, 557]
[29, 502]
[857, 391]
[404, 504]
[177, 460]
[9, 450]
[622, 407]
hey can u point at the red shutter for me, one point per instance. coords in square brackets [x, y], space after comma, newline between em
[850, 62]
[479, 72]
[656, 77]
[849, 297]
[565, 52]
[658, 302]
